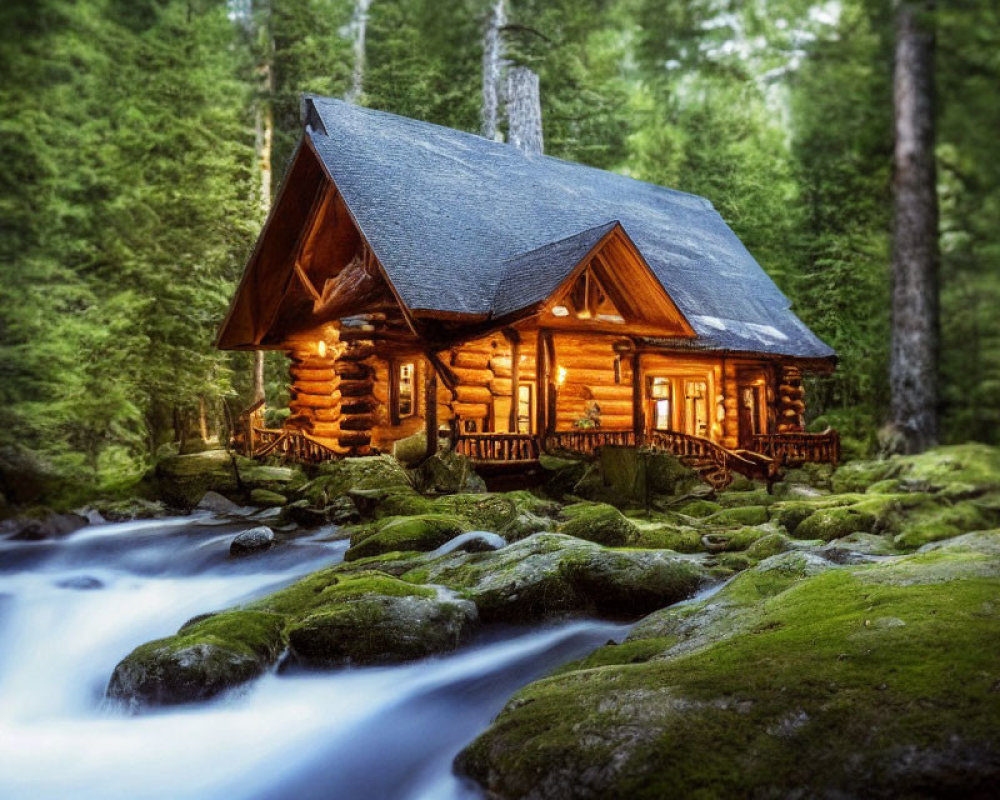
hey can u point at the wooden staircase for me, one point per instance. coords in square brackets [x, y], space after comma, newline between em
[714, 463]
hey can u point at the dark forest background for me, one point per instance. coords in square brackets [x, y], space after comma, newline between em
[130, 193]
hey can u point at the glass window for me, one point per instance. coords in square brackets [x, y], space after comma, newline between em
[405, 397]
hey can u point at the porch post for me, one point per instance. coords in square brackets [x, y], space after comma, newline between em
[515, 376]
[638, 423]
[431, 409]
[542, 381]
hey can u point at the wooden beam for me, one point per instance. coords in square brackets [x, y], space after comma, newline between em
[431, 410]
[393, 392]
[514, 338]
[638, 423]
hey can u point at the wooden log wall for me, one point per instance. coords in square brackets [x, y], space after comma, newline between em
[584, 372]
[359, 408]
[791, 406]
[484, 392]
[316, 387]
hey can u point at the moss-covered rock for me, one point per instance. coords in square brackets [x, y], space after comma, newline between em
[752, 497]
[738, 538]
[448, 472]
[336, 478]
[770, 544]
[737, 517]
[379, 629]
[561, 474]
[267, 498]
[598, 522]
[931, 522]
[182, 480]
[668, 536]
[549, 575]
[424, 532]
[699, 508]
[203, 659]
[834, 523]
[797, 679]
[373, 615]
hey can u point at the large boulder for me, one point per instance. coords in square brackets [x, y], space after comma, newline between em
[183, 480]
[548, 575]
[205, 658]
[328, 618]
[798, 679]
[381, 629]
[447, 472]
[598, 522]
[391, 534]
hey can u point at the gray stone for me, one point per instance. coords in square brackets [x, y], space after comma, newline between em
[252, 541]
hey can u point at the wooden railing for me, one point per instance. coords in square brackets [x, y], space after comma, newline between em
[293, 445]
[795, 449]
[506, 447]
[715, 463]
[587, 441]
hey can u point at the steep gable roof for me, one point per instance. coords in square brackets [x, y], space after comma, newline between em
[465, 225]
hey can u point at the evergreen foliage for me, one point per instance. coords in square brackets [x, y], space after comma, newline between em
[128, 196]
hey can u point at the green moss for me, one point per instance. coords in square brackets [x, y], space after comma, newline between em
[634, 652]
[889, 486]
[756, 497]
[739, 539]
[699, 508]
[933, 523]
[598, 522]
[734, 517]
[833, 523]
[423, 532]
[330, 586]
[830, 684]
[669, 537]
[769, 545]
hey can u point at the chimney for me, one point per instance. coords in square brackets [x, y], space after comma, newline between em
[524, 111]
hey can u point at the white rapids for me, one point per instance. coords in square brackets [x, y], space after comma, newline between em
[71, 609]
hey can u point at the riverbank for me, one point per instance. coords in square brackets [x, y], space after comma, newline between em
[857, 632]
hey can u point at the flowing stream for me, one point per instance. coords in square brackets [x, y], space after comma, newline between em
[71, 609]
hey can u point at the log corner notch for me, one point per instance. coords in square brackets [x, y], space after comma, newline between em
[315, 402]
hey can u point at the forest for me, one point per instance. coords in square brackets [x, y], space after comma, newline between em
[143, 140]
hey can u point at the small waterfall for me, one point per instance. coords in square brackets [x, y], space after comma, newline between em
[70, 609]
[524, 110]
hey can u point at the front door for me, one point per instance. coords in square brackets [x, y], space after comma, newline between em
[696, 408]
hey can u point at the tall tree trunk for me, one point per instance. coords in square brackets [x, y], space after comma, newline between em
[359, 23]
[915, 256]
[263, 141]
[492, 66]
[524, 111]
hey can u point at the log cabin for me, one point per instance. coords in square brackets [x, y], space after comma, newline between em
[421, 278]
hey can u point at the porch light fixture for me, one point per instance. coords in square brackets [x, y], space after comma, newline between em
[560, 376]
[321, 348]
[560, 311]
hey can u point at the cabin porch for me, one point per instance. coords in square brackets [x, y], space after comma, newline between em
[505, 398]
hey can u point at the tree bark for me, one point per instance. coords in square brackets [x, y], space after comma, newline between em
[359, 23]
[263, 141]
[915, 255]
[492, 66]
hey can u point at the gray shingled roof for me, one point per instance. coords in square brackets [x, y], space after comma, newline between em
[464, 224]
